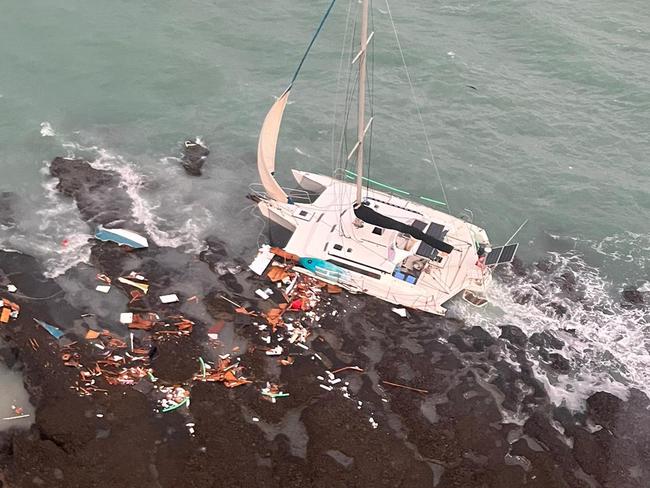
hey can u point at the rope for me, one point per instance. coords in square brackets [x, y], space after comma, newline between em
[339, 90]
[313, 40]
[417, 106]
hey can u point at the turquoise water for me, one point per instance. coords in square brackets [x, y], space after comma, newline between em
[556, 130]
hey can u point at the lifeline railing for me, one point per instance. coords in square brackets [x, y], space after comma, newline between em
[297, 195]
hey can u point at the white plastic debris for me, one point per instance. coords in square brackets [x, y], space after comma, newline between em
[325, 387]
[262, 294]
[12, 288]
[103, 288]
[126, 317]
[172, 298]
[373, 423]
[400, 311]
[262, 260]
[255, 419]
[276, 351]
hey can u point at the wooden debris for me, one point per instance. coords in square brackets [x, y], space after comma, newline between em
[397, 385]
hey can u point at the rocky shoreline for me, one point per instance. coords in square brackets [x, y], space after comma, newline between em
[486, 421]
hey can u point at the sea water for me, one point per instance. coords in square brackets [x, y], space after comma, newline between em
[535, 111]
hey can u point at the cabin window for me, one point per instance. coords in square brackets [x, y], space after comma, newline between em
[378, 230]
[349, 249]
[303, 213]
[338, 247]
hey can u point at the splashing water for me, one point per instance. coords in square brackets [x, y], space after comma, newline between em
[188, 235]
[47, 130]
[606, 342]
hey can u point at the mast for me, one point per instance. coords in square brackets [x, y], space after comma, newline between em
[361, 129]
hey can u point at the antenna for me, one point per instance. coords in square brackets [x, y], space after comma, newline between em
[516, 232]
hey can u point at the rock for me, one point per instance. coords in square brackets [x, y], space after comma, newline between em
[546, 340]
[633, 296]
[513, 334]
[544, 265]
[559, 362]
[98, 193]
[194, 156]
[605, 408]
[481, 338]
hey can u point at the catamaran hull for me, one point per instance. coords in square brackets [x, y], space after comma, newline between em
[315, 235]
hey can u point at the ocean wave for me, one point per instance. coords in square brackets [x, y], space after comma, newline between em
[65, 237]
[47, 130]
[605, 341]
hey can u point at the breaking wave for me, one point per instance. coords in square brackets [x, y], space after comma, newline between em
[606, 342]
[65, 237]
[47, 130]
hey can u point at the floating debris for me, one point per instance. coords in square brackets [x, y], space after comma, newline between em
[135, 280]
[272, 392]
[401, 312]
[262, 260]
[52, 330]
[8, 310]
[122, 237]
[173, 298]
[397, 385]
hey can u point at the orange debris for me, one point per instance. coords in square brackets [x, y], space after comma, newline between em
[287, 256]
[277, 273]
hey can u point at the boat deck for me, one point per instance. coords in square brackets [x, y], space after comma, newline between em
[327, 229]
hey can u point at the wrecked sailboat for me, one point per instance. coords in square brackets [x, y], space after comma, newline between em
[373, 240]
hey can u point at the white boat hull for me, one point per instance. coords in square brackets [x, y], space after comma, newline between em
[381, 262]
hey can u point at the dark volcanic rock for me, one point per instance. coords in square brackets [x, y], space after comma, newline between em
[98, 194]
[194, 156]
[559, 362]
[633, 296]
[546, 340]
[605, 408]
[513, 334]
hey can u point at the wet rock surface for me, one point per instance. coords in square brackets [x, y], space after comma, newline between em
[97, 193]
[195, 155]
[7, 203]
[481, 419]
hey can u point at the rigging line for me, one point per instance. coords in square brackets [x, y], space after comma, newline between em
[371, 90]
[352, 83]
[516, 232]
[313, 40]
[338, 87]
[417, 106]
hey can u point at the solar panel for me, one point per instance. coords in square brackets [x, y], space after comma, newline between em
[493, 257]
[508, 253]
[501, 255]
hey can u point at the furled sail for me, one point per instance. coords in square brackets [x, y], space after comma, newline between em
[266, 148]
[365, 213]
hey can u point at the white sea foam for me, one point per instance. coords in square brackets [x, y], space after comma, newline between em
[47, 130]
[62, 235]
[144, 211]
[605, 341]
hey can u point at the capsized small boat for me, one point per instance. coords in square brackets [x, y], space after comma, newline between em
[376, 239]
[123, 237]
